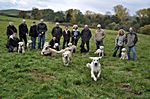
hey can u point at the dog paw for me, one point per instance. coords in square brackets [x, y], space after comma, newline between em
[95, 79]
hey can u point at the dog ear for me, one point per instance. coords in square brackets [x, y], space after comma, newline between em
[91, 57]
[99, 58]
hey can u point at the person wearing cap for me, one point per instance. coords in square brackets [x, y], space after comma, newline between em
[75, 35]
[85, 38]
[130, 40]
[34, 34]
[99, 36]
[57, 32]
[41, 28]
[11, 29]
[23, 32]
[66, 36]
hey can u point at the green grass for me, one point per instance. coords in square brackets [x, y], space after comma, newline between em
[31, 75]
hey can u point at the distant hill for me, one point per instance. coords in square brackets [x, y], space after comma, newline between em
[13, 12]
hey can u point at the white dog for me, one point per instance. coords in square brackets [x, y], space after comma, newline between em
[47, 50]
[21, 47]
[29, 44]
[66, 57]
[95, 67]
[123, 54]
[100, 51]
[70, 48]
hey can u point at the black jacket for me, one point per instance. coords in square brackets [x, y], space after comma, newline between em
[74, 35]
[11, 30]
[66, 34]
[42, 27]
[86, 34]
[12, 42]
[23, 29]
[52, 43]
[33, 31]
[57, 32]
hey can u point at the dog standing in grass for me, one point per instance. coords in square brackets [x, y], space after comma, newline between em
[100, 51]
[123, 54]
[95, 67]
[21, 47]
[66, 57]
[29, 44]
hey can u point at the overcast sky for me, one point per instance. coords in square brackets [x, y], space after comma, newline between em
[99, 6]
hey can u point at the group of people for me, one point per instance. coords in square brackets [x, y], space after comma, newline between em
[39, 31]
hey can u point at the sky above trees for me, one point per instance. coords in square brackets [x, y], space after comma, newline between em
[99, 6]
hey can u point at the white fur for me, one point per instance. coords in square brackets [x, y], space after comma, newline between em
[95, 67]
[21, 47]
[100, 51]
[70, 48]
[29, 44]
[123, 54]
[66, 57]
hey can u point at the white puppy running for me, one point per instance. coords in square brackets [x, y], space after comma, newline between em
[95, 67]
[47, 50]
[123, 54]
[21, 47]
[66, 57]
[100, 51]
[29, 44]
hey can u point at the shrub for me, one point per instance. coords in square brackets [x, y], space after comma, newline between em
[145, 29]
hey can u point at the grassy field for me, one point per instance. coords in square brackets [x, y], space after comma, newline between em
[32, 76]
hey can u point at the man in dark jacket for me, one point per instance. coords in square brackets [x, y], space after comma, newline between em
[85, 37]
[34, 34]
[41, 28]
[12, 42]
[57, 32]
[130, 40]
[75, 35]
[66, 36]
[11, 29]
[23, 32]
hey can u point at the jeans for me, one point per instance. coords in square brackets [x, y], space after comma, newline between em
[98, 44]
[41, 38]
[133, 52]
[33, 42]
[116, 49]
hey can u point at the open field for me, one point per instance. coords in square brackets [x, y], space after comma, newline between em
[33, 76]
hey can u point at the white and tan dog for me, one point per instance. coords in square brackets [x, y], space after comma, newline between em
[47, 50]
[100, 51]
[29, 44]
[21, 47]
[70, 48]
[66, 57]
[95, 67]
[123, 54]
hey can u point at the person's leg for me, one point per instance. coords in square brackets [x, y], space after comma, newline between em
[97, 44]
[119, 55]
[101, 43]
[20, 38]
[10, 48]
[88, 46]
[39, 42]
[76, 42]
[64, 42]
[33, 42]
[43, 40]
[134, 53]
[25, 41]
[68, 42]
[115, 52]
[128, 52]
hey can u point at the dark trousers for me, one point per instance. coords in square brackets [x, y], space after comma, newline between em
[74, 41]
[33, 42]
[98, 44]
[65, 42]
[24, 37]
[87, 45]
[116, 49]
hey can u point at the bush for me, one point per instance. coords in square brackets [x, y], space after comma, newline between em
[145, 29]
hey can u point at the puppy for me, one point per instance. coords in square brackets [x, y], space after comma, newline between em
[66, 57]
[21, 47]
[95, 67]
[123, 54]
[29, 44]
[70, 48]
[47, 50]
[100, 51]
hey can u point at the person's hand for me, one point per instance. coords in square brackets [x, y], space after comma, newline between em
[26, 34]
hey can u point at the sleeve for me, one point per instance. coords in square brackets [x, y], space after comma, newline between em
[136, 39]
[116, 40]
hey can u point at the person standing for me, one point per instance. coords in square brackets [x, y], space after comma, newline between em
[11, 29]
[57, 32]
[41, 28]
[99, 36]
[66, 36]
[131, 39]
[75, 35]
[120, 38]
[34, 34]
[85, 37]
[23, 32]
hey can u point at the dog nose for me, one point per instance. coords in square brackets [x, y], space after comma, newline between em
[95, 64]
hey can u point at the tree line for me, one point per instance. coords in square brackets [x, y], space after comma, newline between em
[120, 18]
